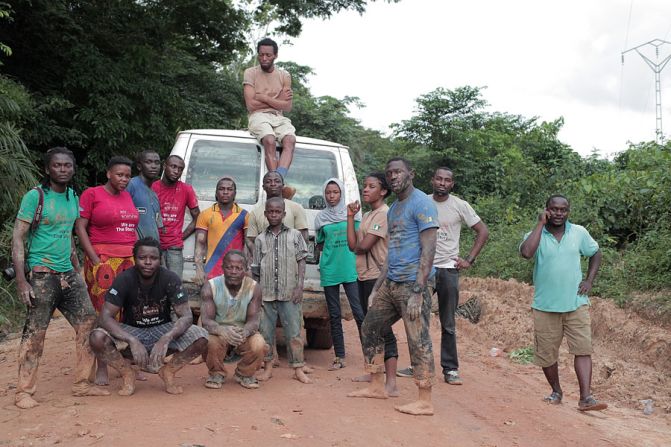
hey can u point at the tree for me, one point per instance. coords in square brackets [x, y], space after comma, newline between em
[119, 77]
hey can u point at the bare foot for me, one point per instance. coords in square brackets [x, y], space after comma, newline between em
[308, 369]
[102, 378]
[26, 403]
[128, 385]
[88, 390]
[370, 392]
[139, 375]
[299, 375]
[266, 374]
[168, 376]
[391, 389]
[364, 378]
[197, 361]
[418, 408]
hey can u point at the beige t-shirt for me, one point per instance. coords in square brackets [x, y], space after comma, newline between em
[270, 84]
[452, 214]
[295, 218]
[374, 222]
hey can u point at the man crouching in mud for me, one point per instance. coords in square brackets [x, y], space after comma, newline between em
[404, 289]
[46, 218]
[146, 293]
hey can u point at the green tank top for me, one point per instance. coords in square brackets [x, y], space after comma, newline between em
[231, 310]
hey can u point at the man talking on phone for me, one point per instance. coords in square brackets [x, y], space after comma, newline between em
[560, 305]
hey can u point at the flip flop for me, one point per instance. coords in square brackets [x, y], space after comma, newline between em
[554, 398]
[215, 381]
[591, 404]
[338, 363]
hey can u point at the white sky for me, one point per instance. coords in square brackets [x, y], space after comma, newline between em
[537, 58]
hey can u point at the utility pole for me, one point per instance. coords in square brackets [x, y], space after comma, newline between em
[657, 66]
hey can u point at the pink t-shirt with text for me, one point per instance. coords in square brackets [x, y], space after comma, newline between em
[174, 200]
[112, 217]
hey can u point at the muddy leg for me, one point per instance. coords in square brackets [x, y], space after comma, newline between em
[32, 340]
[421, 407]
[252, 352]
[104, 349]
[375, 390]
[267, 372]
[167, 371]
[85, 361]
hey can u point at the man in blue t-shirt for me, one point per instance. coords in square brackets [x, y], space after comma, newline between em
[404, 289]
[560, 305]
[144, 198]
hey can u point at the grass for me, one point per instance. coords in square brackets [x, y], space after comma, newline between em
[523, 356]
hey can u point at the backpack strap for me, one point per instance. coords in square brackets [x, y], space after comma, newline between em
[38, 210]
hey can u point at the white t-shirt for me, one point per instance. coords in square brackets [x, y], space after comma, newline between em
[452, 214]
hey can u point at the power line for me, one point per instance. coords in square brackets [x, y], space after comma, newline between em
[657, 66]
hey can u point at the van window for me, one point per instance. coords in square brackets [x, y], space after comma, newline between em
[211, 160]
[308, 172]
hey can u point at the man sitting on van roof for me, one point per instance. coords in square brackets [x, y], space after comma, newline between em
[267, 92]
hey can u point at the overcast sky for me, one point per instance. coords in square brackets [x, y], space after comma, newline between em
[536, 58]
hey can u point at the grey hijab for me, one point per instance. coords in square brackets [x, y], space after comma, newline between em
[333, 214]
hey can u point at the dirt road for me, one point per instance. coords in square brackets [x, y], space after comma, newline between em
[499, 404]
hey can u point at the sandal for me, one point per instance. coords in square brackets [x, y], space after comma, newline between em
[554, 398]
[215, 381]
[338, 363]
[591, 404]
[250, 383]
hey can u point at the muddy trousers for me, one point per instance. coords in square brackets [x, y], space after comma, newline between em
[67, 293]
[447, 288]
[389, 306]
[291, 317]
[252, 351]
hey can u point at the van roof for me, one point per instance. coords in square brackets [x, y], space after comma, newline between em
[246, 134]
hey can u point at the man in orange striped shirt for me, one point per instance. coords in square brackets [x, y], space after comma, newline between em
[220, 228]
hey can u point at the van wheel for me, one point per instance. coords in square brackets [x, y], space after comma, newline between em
[318, 333]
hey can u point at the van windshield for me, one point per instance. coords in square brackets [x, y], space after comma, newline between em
[211, 160]
[309, 170]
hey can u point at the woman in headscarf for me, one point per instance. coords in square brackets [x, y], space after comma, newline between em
[369, 243]
[337, 264]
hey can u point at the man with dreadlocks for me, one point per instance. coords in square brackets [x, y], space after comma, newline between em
[52, 281]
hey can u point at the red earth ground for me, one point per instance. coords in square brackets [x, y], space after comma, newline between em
[498, 405]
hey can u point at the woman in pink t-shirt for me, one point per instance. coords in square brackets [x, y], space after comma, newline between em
[106, 231]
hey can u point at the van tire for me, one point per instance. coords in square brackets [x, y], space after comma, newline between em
[318, 333]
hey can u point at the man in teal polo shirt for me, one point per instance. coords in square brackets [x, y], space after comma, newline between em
[560, 305]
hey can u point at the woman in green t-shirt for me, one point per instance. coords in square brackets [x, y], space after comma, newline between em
[337, 264]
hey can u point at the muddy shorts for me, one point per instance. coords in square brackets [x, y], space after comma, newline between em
[149, 336]
[551, 327]
[268, 123]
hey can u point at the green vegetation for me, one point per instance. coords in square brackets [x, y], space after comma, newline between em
[108, 78]
[523, 356]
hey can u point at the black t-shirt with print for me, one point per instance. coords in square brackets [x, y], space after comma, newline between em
[146, 305]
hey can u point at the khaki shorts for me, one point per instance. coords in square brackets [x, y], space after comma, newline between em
[268, 123]
[550, 328]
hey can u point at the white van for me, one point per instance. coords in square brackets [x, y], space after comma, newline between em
[210, 154]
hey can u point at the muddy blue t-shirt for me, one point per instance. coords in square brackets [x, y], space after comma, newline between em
[148, 207]
[406, 219]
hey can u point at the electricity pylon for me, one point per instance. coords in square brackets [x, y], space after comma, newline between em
[657, 66]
